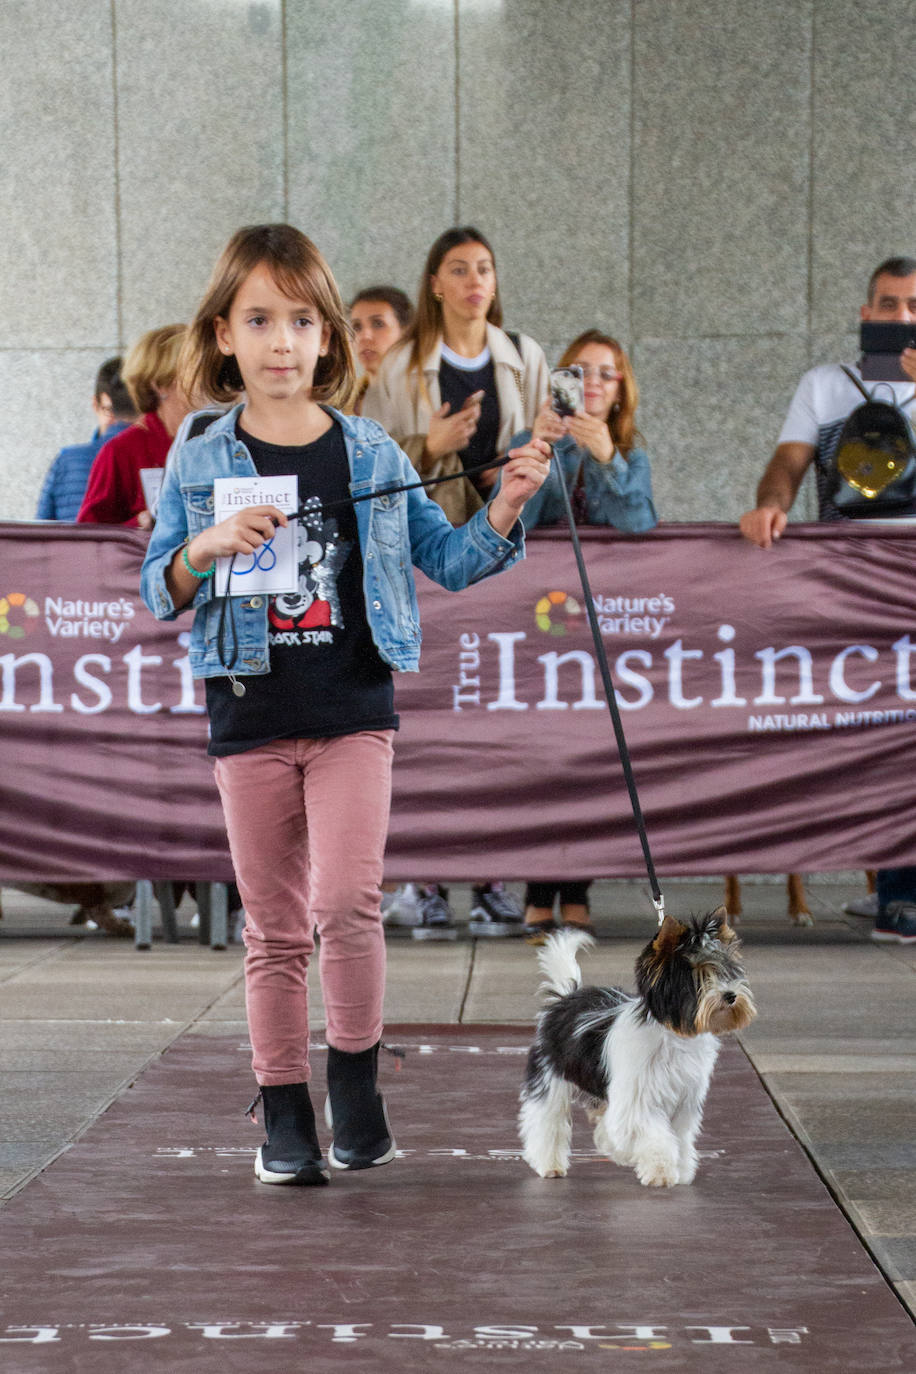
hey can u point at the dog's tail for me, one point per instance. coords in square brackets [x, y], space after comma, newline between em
[559, 964]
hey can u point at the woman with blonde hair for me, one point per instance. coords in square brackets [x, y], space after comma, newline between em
[455, 388]
[114, 494]
[598, 449]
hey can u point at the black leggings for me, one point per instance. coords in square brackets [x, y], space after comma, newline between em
[571, 894]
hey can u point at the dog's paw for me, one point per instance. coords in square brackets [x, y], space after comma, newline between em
[551, 1170]
[658, 1173]
[802, 918]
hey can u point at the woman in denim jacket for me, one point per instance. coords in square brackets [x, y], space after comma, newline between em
[299, 689]
[606, 472]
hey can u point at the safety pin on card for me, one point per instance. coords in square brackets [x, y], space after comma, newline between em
[274, 567]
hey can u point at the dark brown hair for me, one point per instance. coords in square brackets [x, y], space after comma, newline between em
[622, 421]
[390, 295]
[426, 328]
[301, 273]
[891, 267]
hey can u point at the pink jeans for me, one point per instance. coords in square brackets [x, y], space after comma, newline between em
[307, 821]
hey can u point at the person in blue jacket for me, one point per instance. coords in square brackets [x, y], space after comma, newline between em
[65, 484]
[597, 449]
[299, 683]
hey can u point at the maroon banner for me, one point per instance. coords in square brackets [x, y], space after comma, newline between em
[768, 698]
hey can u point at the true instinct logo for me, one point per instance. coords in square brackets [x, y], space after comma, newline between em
[491, 672]
[88, 619]
[245, 496]
[545, 1339]
[102, 682]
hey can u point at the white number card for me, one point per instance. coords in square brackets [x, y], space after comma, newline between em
[274, 567]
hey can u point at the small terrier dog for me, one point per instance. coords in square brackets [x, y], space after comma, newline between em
[642, 1063]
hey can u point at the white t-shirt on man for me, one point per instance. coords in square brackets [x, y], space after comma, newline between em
[824, 395]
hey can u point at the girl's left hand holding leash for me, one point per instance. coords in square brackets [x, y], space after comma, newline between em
[521, 478]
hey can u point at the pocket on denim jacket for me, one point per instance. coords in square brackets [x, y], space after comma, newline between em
[198, 502]
[389, 521]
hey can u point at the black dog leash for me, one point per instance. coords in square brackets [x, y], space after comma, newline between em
[610, 697]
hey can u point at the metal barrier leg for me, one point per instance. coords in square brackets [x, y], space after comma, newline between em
[143, 915]
[202, 895]
[165, 896]
[219, 916]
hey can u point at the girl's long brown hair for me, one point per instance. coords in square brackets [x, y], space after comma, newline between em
[301, 273]
[426, 327]
[622, 421]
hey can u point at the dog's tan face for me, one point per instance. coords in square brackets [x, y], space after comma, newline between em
[692, 978]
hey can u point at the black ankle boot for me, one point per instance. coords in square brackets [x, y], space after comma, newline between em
[291, 1153]
[355, 1111]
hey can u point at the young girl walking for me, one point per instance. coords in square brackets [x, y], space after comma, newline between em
[299, 686]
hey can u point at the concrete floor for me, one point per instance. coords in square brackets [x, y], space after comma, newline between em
[82, 1015]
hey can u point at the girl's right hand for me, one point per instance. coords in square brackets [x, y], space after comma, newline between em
[243, 532]
[450, 433]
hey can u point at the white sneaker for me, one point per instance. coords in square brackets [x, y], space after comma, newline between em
[863, 906]
[402, 907]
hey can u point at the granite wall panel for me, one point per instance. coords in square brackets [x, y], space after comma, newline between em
[58, 284]
[711, 179]
[720, 167]
[371, 129]
[200, 143]
[863, 165]
[544, 157]
[711, 414]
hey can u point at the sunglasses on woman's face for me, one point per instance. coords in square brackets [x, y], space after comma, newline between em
[605, 374]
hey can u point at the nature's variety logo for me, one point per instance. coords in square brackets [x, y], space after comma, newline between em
[19, 615]
[554, 612]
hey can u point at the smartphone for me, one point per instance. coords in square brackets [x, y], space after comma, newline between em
[567, 390]
[882, 345]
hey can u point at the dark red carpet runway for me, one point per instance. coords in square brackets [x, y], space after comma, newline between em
[150, 1247]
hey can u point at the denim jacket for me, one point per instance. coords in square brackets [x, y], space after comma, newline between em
[389, 528]
[618, 493]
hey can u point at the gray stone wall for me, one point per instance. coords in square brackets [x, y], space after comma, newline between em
[712, 180]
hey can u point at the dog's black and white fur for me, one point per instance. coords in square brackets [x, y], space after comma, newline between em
[642, 1063]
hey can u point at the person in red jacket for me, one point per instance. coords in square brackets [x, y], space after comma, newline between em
[114, 493]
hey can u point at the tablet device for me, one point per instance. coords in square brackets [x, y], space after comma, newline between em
[882, 345]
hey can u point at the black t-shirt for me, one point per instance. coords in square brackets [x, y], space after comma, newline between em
[456, 384]
[326, 677]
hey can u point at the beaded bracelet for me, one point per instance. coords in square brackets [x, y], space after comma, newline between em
[201, 576]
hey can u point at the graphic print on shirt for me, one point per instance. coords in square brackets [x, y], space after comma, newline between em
[310, 614]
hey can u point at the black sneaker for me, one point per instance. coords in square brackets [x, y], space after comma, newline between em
[897, 925]
[291, 1153]
[437, 920]
[355, 1111]
[496, 912]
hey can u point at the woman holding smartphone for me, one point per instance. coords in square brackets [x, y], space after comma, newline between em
[456, 387]
[606, 472]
